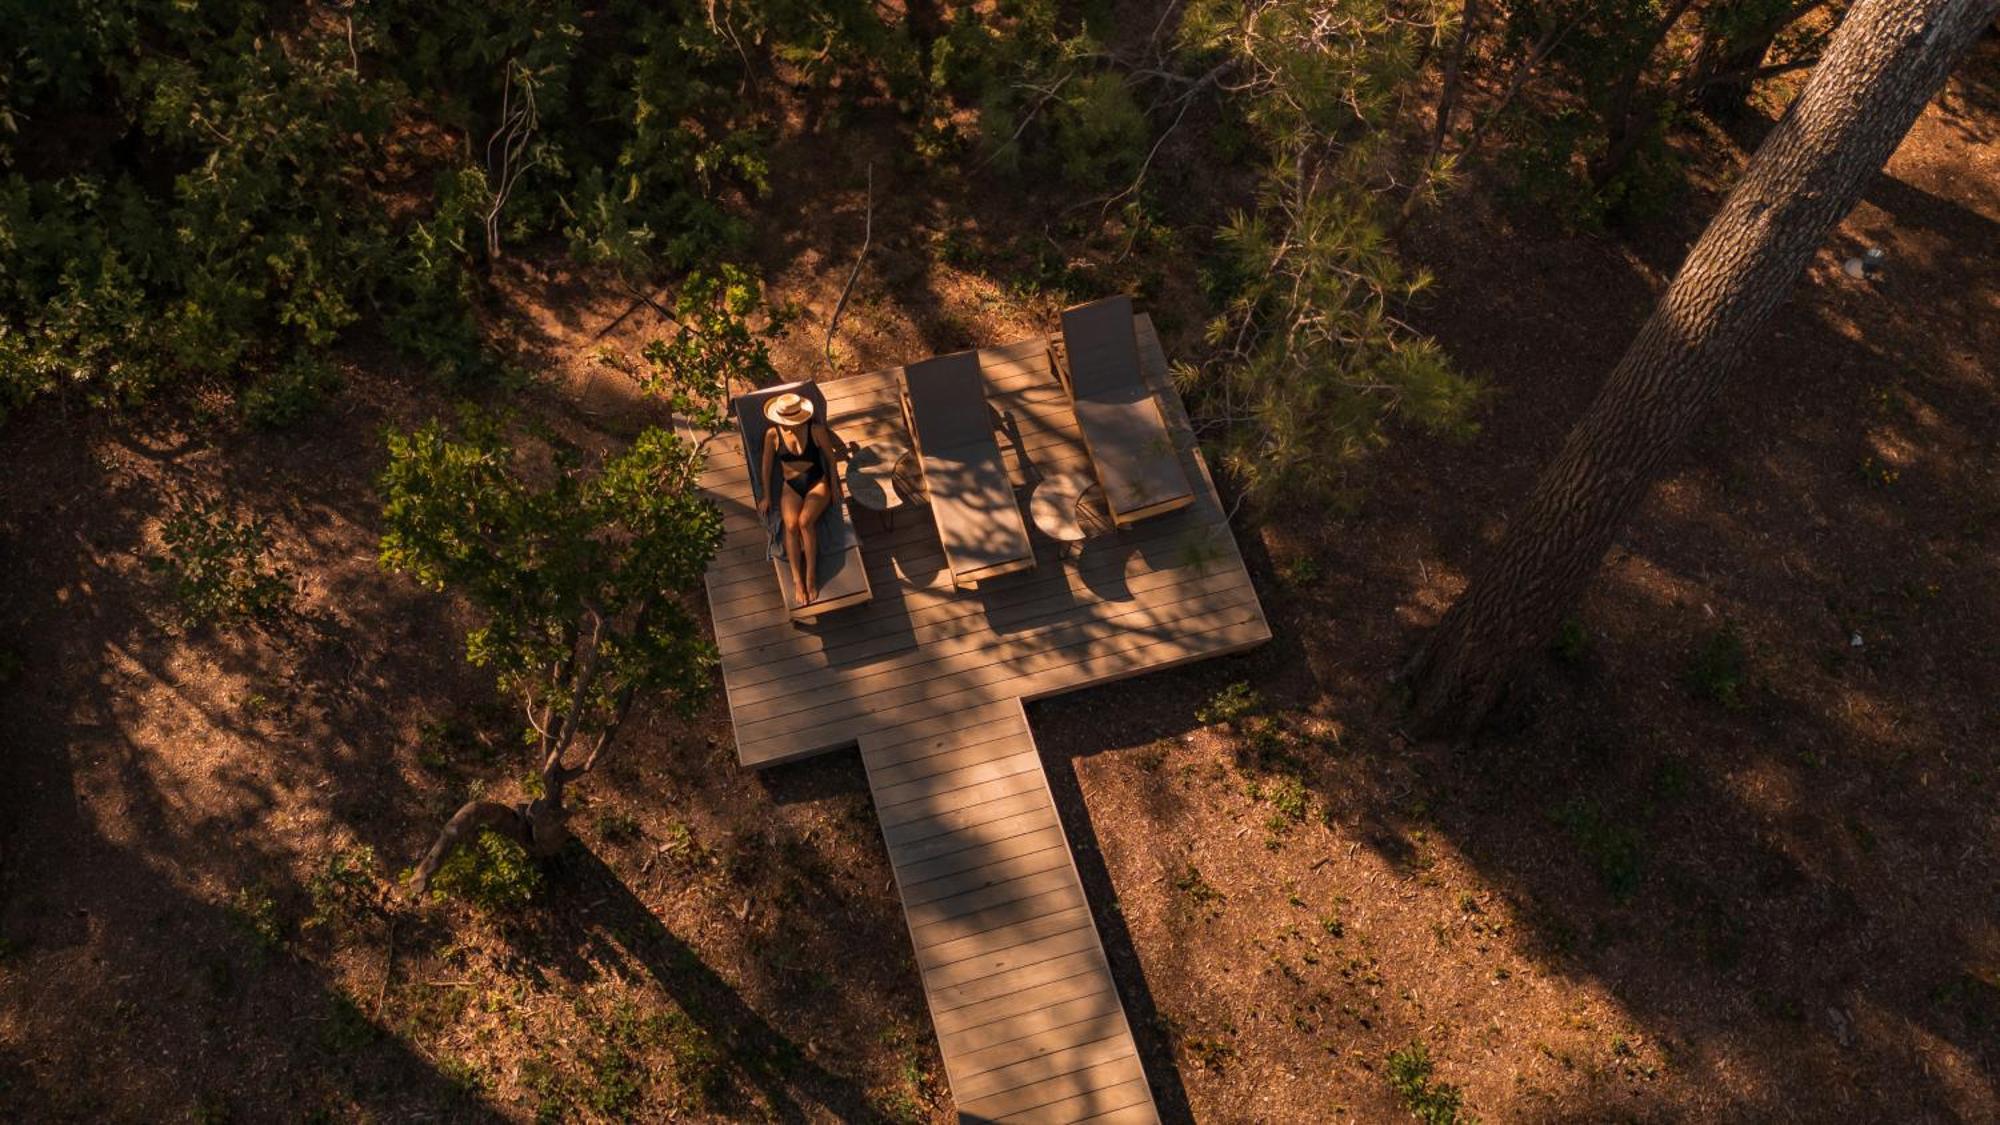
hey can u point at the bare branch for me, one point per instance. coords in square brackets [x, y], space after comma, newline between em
[867, 236]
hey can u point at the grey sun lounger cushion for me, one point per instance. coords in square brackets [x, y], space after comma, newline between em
[843, 578]
[978, 519]
[1127, 437]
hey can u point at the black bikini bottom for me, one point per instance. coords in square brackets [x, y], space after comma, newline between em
[806, 481]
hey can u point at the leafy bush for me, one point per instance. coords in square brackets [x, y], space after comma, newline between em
[1410, 1072]
[290, 394]
[1572, 643]
[1230, 704]
[1101, 135]
[494, 873]
[218, 568]
[1611, 845]
[1718, 668]
[197, 190]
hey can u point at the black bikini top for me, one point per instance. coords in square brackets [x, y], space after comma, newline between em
[809, 452]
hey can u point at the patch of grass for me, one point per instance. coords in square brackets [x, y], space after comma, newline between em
[290, 394]
[1610, 844]
[1572, 643]
[443, 741]
[493, 872]
[1212, 1055]
[1290, 797]
[1718, 669]
[254, 912]
[1876, 474]
[1303, 570]
[1234, 702]
[12, 664]
[617, 827]
[1200, 891]
[346, 1028]
[344, 888]
[1412, 1076]
[700, 1065]
[218, 568]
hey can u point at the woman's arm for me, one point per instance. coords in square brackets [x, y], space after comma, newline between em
[769, 461]
[836, 452]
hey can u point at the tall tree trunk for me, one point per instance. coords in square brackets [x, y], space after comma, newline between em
[1886, 61]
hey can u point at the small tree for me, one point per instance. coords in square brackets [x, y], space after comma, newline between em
[580, 571]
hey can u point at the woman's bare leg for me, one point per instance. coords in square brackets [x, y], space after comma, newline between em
[792, 507]
[815, 503]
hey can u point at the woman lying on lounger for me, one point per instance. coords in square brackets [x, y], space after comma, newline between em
[805, 450]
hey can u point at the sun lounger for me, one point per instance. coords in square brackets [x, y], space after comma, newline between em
[1125, 434]
[843, 576]
[978, 518]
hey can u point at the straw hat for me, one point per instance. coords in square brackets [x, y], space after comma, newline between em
[789, 409]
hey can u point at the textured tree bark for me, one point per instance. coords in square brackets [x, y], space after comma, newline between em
[1885, 62]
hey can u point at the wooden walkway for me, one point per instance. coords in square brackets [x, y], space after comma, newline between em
[930, 683]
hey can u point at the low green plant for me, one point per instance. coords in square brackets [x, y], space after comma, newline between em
[1412, 1076]
[1610, 844]
[346, 1028]
[1718, 668]
[344, 888]
[617, 827]
[1199, 890]
[288, 395]
[494, 872]
[12, 664]
[255, 913]
[1572, 643]
[1232, 703]
[218, 567]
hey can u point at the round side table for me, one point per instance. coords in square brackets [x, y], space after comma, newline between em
[871, 478]
[1069, 508]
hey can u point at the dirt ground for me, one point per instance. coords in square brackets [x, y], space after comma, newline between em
[1675, 885]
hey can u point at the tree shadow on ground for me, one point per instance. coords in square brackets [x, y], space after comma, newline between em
[591, 921]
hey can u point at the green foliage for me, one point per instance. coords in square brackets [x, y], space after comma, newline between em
[714, 350]
[12, 664]
[255, 913]
[218, 568]
[1310, 361]
[284, 397]
[1718, 668]
[1572, 643]
[344, 889]
[1232, 703]
[494, 872]
[1101, 134]
[1046, 104]
[551, 551]
[1610, 844]
[202, 190]
[1411, 1075]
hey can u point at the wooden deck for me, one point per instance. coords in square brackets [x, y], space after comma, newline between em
[930, 684]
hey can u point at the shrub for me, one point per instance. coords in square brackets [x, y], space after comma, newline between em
[494, 873]
[1610, 844]
[290, 394]
[1572, 643]
[1230, 704]
[1718, 668]
[1410, 1072]
[217, 566]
